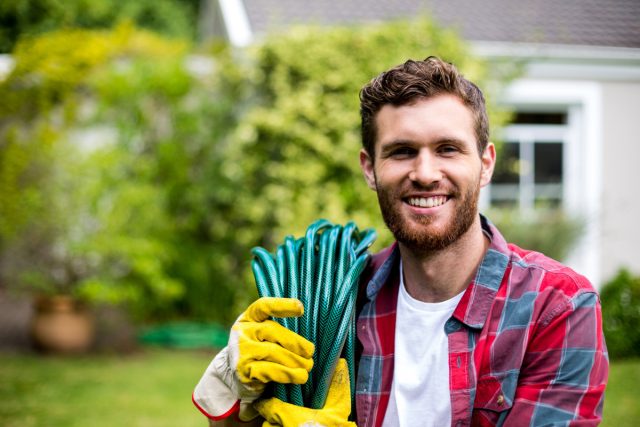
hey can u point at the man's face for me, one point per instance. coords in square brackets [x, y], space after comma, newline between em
[427, 171]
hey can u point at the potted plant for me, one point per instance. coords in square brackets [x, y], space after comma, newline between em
[34, 252]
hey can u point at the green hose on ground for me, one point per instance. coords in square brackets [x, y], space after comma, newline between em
[322, 270]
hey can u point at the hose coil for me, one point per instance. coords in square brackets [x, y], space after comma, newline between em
[322, 270]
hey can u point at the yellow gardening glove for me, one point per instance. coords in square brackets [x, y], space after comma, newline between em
[267, 351]
[334, 414]
[259, 351]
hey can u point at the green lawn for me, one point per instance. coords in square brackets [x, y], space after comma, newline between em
[148, 389]
[153, 388]
[622, 400]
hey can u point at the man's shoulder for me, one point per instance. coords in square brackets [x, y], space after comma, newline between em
[544, 274]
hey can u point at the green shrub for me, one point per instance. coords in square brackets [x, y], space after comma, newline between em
[621, 314]
[550, 231]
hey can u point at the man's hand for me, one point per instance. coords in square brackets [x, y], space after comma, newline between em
[334, 414]
[263, 350]
[259, 351]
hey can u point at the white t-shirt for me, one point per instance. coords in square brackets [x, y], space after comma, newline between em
[420, 391]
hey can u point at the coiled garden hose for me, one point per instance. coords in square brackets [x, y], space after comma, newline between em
[322, 270]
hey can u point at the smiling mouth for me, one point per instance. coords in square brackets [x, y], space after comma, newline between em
[427, 202]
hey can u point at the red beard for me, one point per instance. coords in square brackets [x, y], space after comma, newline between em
[421, 240]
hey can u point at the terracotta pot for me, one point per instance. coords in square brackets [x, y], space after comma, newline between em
[62, 325]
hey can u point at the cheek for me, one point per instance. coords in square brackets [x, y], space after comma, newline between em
[468, 176]
[390, 173]
[386, 180]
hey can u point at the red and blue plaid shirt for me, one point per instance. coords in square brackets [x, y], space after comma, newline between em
[525, 342]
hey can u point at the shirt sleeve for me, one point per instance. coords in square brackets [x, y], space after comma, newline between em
[565, 369]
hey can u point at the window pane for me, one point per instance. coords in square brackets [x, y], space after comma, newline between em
[548, 161]
[507, 170]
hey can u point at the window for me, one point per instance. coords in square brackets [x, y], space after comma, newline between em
[531, 162]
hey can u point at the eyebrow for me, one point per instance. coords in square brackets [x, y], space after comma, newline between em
[410, 143]
[396, 143]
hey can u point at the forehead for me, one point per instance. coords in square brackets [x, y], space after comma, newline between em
[427, 119]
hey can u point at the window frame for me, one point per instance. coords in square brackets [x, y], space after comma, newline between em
[526, 136]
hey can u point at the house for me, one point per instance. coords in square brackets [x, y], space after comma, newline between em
[576, 134]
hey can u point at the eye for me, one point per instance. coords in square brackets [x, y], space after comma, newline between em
[402, 152]
[448, 149]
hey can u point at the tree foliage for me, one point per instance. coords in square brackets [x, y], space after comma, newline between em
[20, 18]
[195, 167]
[65, 216]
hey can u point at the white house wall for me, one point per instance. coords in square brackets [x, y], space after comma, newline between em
[620, 228]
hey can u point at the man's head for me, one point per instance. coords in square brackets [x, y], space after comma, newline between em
[426, 152]
[416, 80]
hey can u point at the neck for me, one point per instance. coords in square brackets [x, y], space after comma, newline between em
[440, 275]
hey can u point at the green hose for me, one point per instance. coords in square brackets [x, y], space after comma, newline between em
[322, 270]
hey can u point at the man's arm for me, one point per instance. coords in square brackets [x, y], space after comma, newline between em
[565, 368]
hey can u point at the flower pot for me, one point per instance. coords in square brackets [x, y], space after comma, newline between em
[62, 325]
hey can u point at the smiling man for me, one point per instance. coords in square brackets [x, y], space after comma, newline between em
[456, 326]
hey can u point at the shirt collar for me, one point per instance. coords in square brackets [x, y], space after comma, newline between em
[382, 274]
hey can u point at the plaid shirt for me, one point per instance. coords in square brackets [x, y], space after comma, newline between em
[525, 342]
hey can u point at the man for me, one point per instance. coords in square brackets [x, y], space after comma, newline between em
[457, 327]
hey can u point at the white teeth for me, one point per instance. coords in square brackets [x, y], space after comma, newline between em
[427, 202]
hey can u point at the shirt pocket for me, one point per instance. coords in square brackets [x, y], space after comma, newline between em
[492, 403]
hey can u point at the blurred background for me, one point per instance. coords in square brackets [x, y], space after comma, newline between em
[147, 146]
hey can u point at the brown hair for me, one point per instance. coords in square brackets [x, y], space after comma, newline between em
[414, 80]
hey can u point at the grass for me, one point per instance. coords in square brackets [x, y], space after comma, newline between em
[622, 401]
[153, 388]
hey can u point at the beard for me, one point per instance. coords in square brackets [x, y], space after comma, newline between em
[420, 238]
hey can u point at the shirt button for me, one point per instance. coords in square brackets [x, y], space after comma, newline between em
[500, 400]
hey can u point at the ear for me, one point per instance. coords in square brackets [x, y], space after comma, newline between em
[366, 163]
[488, 163]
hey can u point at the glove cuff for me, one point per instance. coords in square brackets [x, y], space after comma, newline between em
[220, 394]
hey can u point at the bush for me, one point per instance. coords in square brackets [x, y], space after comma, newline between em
[549, 231]
[199, 167]
[621, 315]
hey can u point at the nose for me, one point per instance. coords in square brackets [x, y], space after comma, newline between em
[425, 169]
